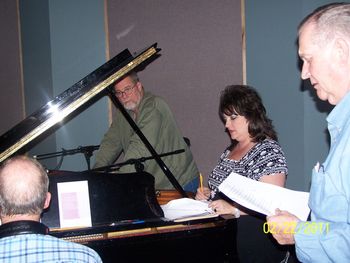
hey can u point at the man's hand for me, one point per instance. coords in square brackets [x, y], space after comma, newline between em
[281, 226]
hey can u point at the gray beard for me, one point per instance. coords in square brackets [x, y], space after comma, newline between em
[130, 106]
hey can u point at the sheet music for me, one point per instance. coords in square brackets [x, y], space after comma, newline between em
[263, 197]
[183, 209]
[74, 204]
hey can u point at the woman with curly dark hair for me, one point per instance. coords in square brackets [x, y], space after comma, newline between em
[253, 153]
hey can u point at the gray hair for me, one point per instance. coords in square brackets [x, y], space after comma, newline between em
[330, 21]
[132, 75]
[23, 186]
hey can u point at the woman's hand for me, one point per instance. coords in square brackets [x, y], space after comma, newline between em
[222, 207]
[203, 194]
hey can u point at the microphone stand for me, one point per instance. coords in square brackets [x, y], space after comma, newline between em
[137, 162]
[86, 150]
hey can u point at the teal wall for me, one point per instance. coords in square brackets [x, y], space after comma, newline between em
[62, 42]
[273, 68]
[36, 59]
[77, 48]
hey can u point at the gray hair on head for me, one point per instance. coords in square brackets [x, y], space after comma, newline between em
[330, 21]
[23, 186]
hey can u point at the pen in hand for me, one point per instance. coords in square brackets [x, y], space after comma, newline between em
[201, 182]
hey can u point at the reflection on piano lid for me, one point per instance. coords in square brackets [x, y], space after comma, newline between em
[70, 100]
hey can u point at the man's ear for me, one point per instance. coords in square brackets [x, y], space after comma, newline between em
[139, 86]
[342, 50]
[47, 200]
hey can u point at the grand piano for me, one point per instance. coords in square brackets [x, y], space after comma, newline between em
[127, 222]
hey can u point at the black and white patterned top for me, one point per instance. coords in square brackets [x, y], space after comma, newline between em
[264, 158]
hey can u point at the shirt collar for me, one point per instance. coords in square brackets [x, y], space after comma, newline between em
[340, 114]
[146, 95]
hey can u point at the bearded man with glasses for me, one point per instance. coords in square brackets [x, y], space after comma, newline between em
[156, 121]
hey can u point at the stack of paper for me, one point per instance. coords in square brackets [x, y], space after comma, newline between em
[185, 209]
[265, 198]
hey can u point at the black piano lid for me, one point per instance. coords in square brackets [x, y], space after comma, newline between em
[70, 100]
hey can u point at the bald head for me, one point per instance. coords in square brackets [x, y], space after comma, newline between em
[23, 187]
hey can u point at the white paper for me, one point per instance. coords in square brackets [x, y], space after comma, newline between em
[265, 198]
[74, 204]
[186, 207]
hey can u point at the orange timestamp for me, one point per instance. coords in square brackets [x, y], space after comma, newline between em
[308, 228]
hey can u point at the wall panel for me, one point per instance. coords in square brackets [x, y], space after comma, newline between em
[201, 54]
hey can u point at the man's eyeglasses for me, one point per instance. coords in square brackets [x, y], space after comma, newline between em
[127, 91]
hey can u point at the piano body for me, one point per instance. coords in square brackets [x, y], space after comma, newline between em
[127, 220]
